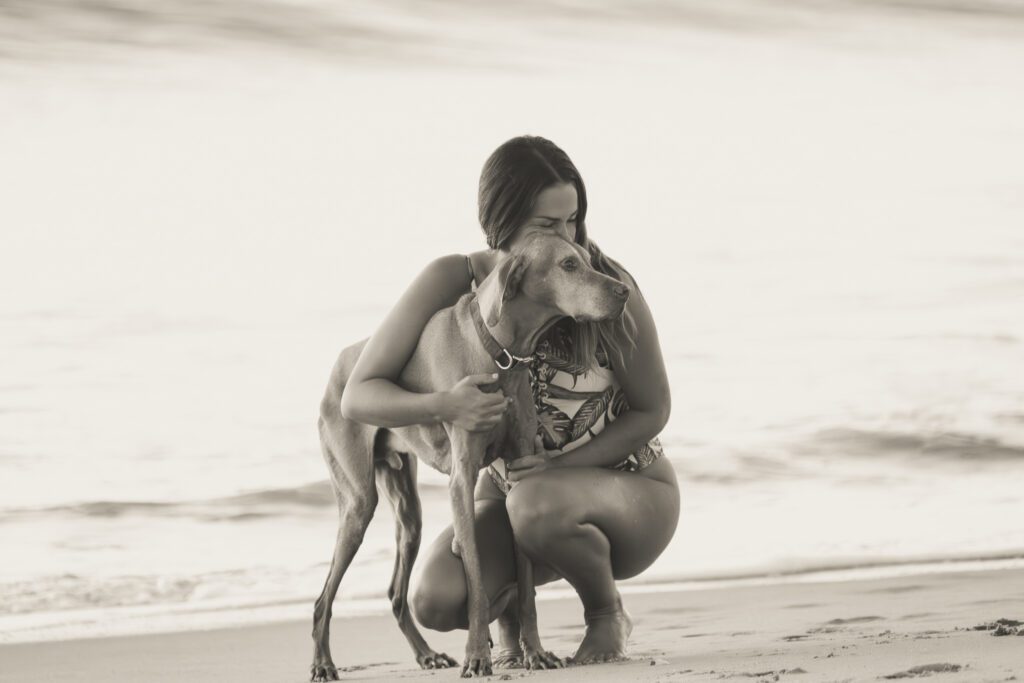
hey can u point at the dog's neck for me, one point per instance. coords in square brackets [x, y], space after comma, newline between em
[523, 321]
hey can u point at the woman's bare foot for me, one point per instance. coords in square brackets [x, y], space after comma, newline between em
[607, 633]
[510, 653]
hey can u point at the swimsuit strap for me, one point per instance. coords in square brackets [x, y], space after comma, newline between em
[472, 275]
[503, 484]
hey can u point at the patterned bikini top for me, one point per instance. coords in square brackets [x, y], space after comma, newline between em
[574, 403]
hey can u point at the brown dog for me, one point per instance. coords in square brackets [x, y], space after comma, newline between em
[547, 278]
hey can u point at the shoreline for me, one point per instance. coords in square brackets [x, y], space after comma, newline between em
[832, 630]
[143, 620]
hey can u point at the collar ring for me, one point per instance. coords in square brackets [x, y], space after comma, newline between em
[509, 362]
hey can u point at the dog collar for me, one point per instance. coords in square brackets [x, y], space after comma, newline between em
[502, 357]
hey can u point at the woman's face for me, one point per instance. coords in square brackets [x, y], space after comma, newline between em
[555, 211]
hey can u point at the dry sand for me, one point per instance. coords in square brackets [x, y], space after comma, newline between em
[879, 629]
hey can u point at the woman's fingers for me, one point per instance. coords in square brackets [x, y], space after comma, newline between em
[515, 475]
[523, 470]
[525, 462]
[497, 407]
[496, 399]
[477, 380]
[489, 410]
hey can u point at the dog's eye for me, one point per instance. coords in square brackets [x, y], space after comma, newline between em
[569, 264]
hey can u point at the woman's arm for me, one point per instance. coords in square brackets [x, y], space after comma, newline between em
[372, 395]
[645, 383]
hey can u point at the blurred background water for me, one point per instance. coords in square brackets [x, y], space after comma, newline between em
[203, 202]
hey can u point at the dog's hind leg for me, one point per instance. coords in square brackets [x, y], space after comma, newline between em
[396, 477]
[348, 449]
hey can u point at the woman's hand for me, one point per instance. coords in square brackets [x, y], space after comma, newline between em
[465, 406]
[529, 465]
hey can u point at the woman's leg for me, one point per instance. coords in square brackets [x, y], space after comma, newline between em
[439, 600]
[593, 526]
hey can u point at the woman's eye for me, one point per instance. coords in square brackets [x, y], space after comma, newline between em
[573, 219]
[569, 264]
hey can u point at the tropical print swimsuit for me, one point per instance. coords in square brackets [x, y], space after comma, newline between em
[573, 403]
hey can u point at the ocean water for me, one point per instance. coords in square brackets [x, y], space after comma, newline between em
[823, 209]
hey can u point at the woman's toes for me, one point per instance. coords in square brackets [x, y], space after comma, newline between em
[605, 639]
[508, 660]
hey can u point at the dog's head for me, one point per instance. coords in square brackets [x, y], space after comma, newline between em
[554, 272]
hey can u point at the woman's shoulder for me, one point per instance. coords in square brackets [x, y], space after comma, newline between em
[480, 263]
[452, 269]
[457, 273]
[440, 283]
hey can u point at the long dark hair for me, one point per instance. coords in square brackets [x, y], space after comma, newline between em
[511, 179]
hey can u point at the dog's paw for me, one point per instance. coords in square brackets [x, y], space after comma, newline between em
[323, 672]
[435, 660]
[542, 659]
[477, 666]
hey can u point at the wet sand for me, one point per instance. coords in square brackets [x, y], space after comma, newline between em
[944, 626]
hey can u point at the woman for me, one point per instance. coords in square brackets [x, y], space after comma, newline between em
[598, 503]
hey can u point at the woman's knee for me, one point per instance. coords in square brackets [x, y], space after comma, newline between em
[540, 512]
[439, 605]
[440, 591]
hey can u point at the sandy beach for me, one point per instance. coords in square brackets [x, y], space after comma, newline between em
[880, 629]
[822, 204]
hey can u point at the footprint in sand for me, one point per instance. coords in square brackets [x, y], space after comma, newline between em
[931, 633]
[772, 675]
[854, 620]
[835, 626]
[925, 670]
[1002, 627]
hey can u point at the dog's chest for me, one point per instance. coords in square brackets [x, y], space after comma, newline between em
[503, 444]
[513, 437]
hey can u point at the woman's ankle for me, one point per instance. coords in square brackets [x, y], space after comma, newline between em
[611, 608]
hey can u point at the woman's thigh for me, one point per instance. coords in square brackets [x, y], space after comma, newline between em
[637, 512]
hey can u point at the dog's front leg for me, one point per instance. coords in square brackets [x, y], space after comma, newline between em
[534, 654]
[467, 454]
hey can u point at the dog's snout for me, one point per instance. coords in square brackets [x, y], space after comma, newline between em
[621, 291]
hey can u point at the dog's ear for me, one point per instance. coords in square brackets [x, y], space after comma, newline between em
[510, 274]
